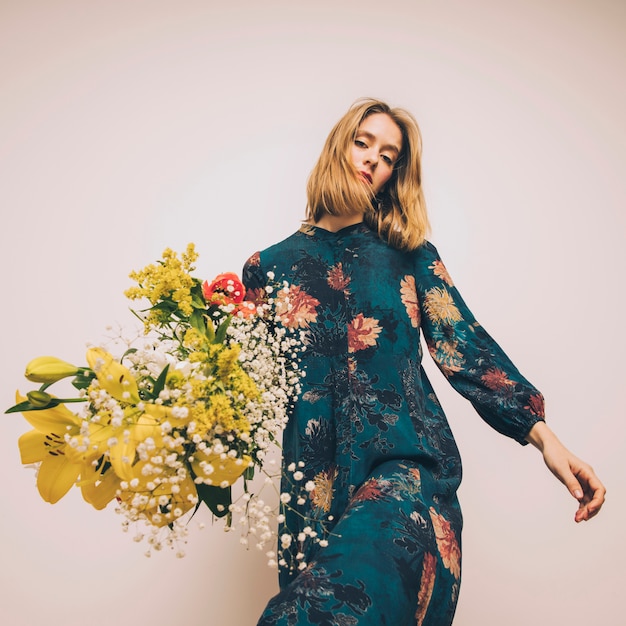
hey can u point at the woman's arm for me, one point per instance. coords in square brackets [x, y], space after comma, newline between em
[477, 368]
[576, 475]
[471, 360]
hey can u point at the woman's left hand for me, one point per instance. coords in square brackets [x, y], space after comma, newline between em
[576, 475]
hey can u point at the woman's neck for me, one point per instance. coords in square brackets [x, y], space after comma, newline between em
[333, 223]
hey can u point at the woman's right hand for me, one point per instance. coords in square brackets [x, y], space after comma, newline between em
[575, 474]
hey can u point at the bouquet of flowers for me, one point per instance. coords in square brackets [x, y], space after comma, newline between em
[177, 419]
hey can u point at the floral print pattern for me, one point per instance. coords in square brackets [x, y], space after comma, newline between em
[370, 432]
[408, 295]
[446, 543]
[322, 494]
[296, 308]
[439, 270]
[362, 333]
[337, 279]
[429, 568]
[440, 307]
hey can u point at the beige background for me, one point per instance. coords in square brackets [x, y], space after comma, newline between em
[128, 126]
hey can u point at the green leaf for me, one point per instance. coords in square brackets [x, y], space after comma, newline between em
[220, 335]
[82, 381]
[197, 299]
[167, 306]
[215, 497]
[196, 319]
[159, 384]
[27, 406]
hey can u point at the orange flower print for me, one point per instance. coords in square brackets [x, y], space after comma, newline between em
[440, 271]
[439, 306]
[296, 308]
[496, 379]
[369, 490]
[408, 294]
[429, 567]
[337, 280]
[362, 333]
[256, 296]
[536, 405]
[415, 474]
[255, 259]
[322, 494]
[446, 355]
[446, 543]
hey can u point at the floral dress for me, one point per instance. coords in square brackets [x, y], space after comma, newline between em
[369, 433]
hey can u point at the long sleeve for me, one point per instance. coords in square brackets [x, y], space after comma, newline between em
[471, 360]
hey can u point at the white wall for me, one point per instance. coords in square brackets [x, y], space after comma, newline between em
[129, 126]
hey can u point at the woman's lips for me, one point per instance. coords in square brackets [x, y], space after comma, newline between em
[366, 176]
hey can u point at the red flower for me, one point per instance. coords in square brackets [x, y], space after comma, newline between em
[257, 296]
[225, 289]
[337, 279]
[536, 405]
[369, 490]
[496, 379]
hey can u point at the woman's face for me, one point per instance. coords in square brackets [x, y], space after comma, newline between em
[376, 149]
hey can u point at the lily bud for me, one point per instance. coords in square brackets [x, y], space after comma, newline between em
[49, 369]
[39, 399]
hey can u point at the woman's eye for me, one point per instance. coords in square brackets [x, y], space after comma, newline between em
[386, 159]
[359, 143]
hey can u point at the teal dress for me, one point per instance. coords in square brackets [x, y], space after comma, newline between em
[368, 432]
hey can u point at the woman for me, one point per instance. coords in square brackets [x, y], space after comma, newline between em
[368, 431]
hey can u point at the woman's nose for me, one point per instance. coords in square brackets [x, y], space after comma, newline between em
[371, 158]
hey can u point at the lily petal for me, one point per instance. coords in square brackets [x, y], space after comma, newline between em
[56, 476]
[225, 471]
[57, 419]
[122, 454]
[32, 447]
[99, 435]
[98, 490]
[113, 376]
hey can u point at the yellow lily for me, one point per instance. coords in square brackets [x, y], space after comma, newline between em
[113, 376]
[145, 425]
[224, 472]
[98, 489]
[178, 500]
[61, 464]
[49, 369]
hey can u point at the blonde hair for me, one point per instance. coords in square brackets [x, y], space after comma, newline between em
[398, 213]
